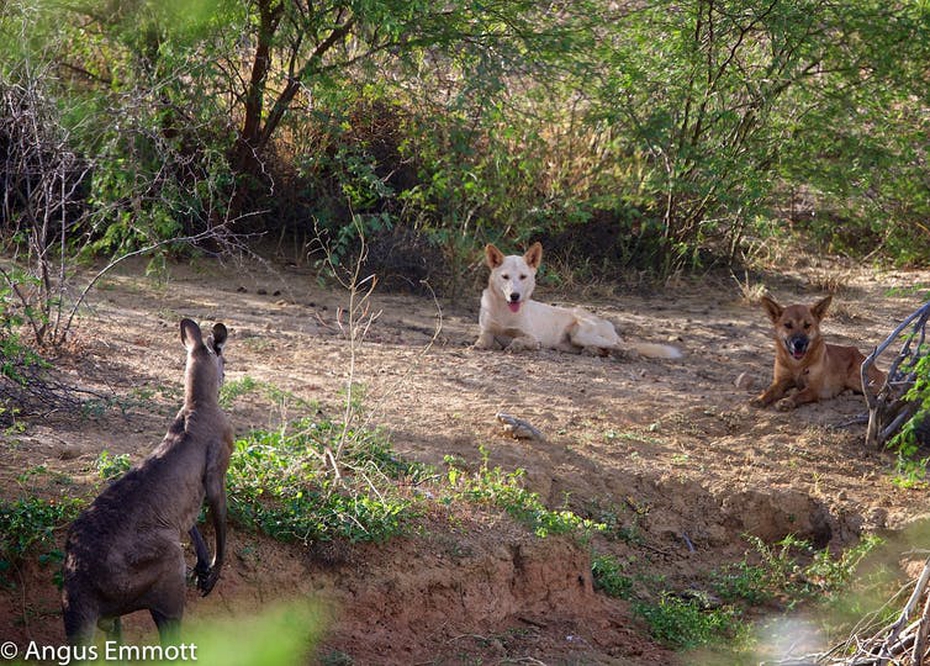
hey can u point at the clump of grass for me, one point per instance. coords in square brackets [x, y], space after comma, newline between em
[28, 525]
[505, 491]
[281, 483]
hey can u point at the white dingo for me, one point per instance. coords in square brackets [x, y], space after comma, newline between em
[511, 320]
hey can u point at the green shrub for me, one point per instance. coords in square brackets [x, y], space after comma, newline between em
[505, 491]
[281, 483]
[685, 624]
[609, 577]
[29, 524]
[782, 574]
[110, 467]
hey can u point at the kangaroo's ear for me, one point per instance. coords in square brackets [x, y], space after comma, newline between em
[190, 334]
[533, 256]
[773, 309]
[218, 338]
[819, 309]
[492, 256]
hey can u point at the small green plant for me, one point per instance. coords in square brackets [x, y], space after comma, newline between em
[609, 577]
[505, 490]
[826, 576]
[621, 523]
[911, 472]
[780, 572]
[233, 390]
[743, 581]
[678, 622]
[773, 575]
[684, 623]
[110, 467]
[28, 524]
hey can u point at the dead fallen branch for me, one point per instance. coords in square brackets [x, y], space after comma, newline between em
[888, 408]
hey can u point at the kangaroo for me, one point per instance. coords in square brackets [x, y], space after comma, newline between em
[123, 553]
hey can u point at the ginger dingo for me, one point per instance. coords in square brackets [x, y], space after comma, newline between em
[804, 361]
[510, 319]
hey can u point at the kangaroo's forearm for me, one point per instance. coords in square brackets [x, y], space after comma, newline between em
[200, 547]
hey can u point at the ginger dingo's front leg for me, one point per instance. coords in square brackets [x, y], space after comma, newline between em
[776, 391]
[799, 398]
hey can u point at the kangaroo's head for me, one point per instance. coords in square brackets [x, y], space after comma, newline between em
[205, 363]
[797, 327]
[513, 277]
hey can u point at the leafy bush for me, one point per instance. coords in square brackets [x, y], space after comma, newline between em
[280, 483]
[782, 574]
[29, 524]
[684, 624]
[608, 574]
[505, 491]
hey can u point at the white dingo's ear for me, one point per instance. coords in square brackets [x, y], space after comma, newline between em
[533, 256]
[492, 256]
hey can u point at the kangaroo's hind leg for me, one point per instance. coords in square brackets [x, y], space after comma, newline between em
[113, 628]
[165, 600]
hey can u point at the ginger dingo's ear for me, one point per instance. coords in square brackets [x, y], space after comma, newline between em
[773, 309]
[190, 334]
[533, 256]
[819, 309]
[492, 256]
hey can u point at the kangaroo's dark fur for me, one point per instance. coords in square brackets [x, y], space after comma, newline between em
[123, 553]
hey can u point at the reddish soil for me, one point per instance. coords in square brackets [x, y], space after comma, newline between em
[670, 449]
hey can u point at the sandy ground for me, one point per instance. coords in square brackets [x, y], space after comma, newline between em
[670, 448]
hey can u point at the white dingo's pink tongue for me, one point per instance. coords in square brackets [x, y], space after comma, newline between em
[514, 307]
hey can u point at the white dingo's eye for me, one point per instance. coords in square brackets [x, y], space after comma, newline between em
[522, 277]
[505, 276]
